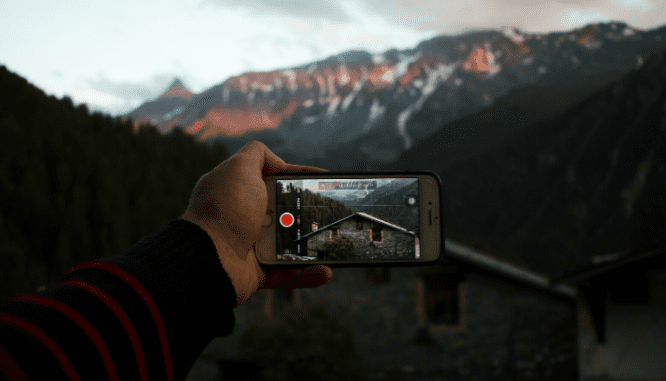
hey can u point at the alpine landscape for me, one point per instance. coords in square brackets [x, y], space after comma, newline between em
[465, 104]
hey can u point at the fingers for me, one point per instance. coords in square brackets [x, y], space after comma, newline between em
[309, 277]
[304, 168]
[259, 160]
[262, 160]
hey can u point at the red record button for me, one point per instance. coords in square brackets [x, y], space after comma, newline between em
[286, 220]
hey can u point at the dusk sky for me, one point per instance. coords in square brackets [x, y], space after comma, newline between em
[114, 56]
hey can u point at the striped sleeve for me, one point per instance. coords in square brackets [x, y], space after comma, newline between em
[145, 314]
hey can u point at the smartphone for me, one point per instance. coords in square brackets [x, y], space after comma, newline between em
[352, 219]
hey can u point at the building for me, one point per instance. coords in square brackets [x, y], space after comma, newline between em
[469, 314]
[621, 309]
[372, 238]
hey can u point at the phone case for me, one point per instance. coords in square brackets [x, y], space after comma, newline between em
[385, 173]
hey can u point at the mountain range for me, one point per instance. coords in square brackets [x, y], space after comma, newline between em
[550, 147]
[376, 106]
[552, 195]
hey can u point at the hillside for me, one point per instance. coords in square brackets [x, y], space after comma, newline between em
[77, 186]
[553, 193]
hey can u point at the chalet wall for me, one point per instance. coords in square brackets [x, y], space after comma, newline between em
[393, 244]
[501, 325]
[635, 337]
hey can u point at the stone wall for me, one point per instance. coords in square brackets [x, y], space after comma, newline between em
[394, 244]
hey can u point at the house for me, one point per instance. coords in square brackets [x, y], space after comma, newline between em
[469, 314]
[621, 308]
[372, 238]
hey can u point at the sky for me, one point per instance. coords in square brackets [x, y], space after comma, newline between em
[115, 55]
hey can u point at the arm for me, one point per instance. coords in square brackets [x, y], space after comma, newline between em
[138, 313]
[150, 311]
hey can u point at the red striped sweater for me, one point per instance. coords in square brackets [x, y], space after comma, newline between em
[145, 314]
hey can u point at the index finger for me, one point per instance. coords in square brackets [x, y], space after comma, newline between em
[263, 161]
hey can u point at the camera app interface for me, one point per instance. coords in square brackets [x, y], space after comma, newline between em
[347, 219]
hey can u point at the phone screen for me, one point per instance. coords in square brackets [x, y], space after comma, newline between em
[347, 219]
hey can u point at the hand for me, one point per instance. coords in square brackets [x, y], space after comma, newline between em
[230, 204]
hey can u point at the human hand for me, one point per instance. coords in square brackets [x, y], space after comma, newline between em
[230, 204]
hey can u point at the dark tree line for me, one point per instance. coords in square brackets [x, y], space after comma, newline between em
[76, 186]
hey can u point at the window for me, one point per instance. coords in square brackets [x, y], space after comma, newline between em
[334, 233]
[377, 234]
[359, 225]
[442, 302]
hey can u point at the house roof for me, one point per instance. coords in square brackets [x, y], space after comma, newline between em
[359, 214]
[616, 261]
[484, 262]
[525, 277]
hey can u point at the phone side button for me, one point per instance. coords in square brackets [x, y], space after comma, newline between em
[267, 221]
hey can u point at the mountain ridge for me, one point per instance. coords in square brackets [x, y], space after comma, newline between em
[300, 101]
[585, 182]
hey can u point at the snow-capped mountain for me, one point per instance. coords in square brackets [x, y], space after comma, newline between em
[174, 99]
[177, 90]
[381, 104]
[587, 181]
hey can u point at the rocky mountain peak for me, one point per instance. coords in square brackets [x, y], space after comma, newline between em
[177, 90]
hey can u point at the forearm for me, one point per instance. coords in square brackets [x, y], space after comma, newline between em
[148, 311]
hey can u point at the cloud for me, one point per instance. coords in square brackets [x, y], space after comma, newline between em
[453, 17]
[576, 18]
[309, 9]
[121, 97]
[126, 89]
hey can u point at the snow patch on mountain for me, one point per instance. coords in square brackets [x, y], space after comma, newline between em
[291, 76]
[403, 117]
[343, 78]
[225, 93]
[495, 68]
[375, 114]
[350, 97]
[434, 79]
[401, 67]
[332, 107]
[388, 75]
[376, 110]
[628, 31]
[310, 119]
[575, 61]
[378, 59]
[174, 112]
[514, 35]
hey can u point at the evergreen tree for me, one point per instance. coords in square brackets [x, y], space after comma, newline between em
[76, 186]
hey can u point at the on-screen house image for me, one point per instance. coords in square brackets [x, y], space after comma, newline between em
[372, 238]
